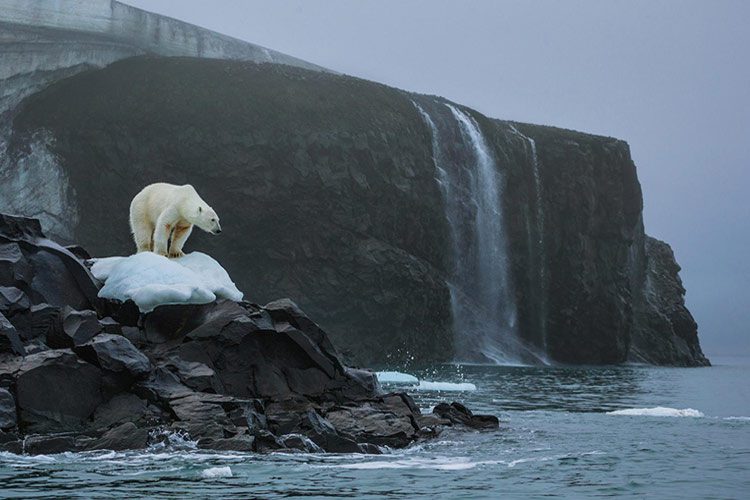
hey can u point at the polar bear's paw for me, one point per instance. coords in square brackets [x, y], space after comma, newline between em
[176, 254]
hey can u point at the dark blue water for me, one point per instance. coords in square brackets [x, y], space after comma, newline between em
[558, 439]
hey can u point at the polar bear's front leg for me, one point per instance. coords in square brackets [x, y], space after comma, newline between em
[179, 237]
[164, 226]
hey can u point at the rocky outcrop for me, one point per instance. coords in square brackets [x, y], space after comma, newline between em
[227, 375]
[327, 188]
[665, 331]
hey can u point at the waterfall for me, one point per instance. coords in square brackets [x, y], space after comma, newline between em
[540, 260]
[482, 299]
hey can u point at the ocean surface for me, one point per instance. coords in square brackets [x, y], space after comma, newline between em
[565, 432]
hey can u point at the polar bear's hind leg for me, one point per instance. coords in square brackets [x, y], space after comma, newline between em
[143, 236]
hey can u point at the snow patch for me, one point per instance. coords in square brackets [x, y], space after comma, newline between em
[659, 411]
[152, 280]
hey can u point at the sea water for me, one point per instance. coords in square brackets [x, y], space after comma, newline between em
[565, 432]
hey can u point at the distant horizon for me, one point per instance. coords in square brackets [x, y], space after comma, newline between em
[670, 78]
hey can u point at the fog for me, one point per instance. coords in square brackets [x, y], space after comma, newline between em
[670, 77]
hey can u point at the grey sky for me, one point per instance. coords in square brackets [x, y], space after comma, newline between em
[670, 77]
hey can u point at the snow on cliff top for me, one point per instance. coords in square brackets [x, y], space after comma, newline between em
[152, 280]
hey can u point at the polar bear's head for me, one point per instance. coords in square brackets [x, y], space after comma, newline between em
[205, 218]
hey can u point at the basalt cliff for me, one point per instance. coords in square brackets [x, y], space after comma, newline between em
[410, 227]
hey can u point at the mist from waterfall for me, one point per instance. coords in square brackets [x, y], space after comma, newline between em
[482, 299]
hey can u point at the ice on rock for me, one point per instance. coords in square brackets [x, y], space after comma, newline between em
[152, 280]
[396, 378]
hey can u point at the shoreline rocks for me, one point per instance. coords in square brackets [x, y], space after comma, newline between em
[81, 373]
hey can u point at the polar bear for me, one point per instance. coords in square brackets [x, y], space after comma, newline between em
[162, 212]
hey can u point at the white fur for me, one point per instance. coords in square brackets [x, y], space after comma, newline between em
[161, 211]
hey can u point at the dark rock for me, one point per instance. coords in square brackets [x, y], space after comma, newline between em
[14, 268]
[236, 443]
[123, 408]
[123, 437]
[325, 435]
[12, 446]
[162, 386]
[116, 354]
[45, 322]
[265, 441]
[56, 391]
[195, 375]
[370, 449]
[203, 415]
[460, 415]
[47, 445]
[78, 251]
[13, 301]
[174, 321]
[9, 339]
[7, 410]
[300, 443]
[78, 328]
[387, 421]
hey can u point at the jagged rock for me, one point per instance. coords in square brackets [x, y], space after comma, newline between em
[46, 445]
[43, 270]
[299, 442]
[236, 443]
[195, 375]
[13, 266]
[56, 391]
[123, 437]
[9, 339]
[324, 434]
[114, 353]
[665, 331]
[13, 301]
[458, 414]
[123, 408]
[78, 328]
[45, 322]
[162, 385]
[7, 410]
[388, 421]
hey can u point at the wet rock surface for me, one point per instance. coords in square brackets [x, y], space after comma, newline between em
[229, 376]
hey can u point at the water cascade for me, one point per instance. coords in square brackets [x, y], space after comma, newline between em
[482, 298]
[538, 238]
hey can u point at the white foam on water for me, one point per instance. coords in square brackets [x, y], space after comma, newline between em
[741, 419]
[442, 463]
[659, 411]
[425, 385]
[396, 378]
[215, 472]
[152, 280]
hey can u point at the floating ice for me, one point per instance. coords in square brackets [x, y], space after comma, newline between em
[425, 385]
[659, 411]
[396, 378]
[152, 280]
[215, 472]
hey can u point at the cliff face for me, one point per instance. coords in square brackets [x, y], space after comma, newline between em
[342, 193]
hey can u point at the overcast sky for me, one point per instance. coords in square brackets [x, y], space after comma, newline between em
[670, 77]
